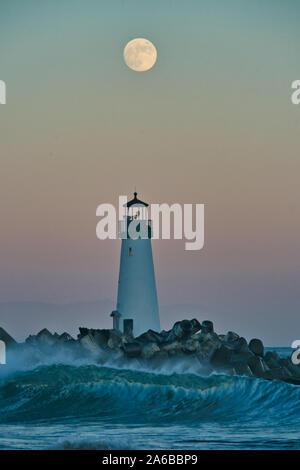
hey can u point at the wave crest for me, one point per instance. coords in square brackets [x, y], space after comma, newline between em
[64, 392]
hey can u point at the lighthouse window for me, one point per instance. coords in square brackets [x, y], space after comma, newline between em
[130, 251]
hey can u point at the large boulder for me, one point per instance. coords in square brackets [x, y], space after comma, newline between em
[281, 373]
[257, 366]
[293, 380]
[240, 356]
[271, 358]
[256, 346]
[231, 337]
[287, 364]
[172, 349]
[164, 334]
[241, 345]
[208, 344]
[133, 349]
[100, 337]
[44, 338]
[208, 337]
[187, 328]
[238, 344]
[195, 325]
[221, 357]
[191, 345]
[149, 350]
[89, 343]
[183, 329]
[83, 332]
[115, 339]
[241, 368]
[66, 338]
[207, 326]
[159, 358]
[150, 336]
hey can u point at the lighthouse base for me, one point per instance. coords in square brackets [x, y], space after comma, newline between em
[137, 297]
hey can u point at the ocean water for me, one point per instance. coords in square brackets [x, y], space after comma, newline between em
[87, 406]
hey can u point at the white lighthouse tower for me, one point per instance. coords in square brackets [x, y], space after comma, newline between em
[137, 305]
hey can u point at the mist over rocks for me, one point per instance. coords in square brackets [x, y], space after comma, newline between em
[190, 341]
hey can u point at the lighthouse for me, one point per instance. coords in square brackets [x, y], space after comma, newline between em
[137, 305]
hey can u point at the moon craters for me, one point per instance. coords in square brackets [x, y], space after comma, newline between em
[140, 54]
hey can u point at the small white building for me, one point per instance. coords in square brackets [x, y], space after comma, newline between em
[137, 296]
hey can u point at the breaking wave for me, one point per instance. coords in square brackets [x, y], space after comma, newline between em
[66, 393]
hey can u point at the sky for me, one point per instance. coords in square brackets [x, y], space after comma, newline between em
[211, 123]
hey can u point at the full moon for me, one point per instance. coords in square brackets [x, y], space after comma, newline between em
[140, 54]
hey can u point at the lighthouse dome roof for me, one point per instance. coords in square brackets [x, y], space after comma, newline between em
[136, 202]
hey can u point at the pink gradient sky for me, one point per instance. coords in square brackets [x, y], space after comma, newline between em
[211, 123]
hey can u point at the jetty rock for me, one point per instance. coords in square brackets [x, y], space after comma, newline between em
[228, 353]
[195, 342]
